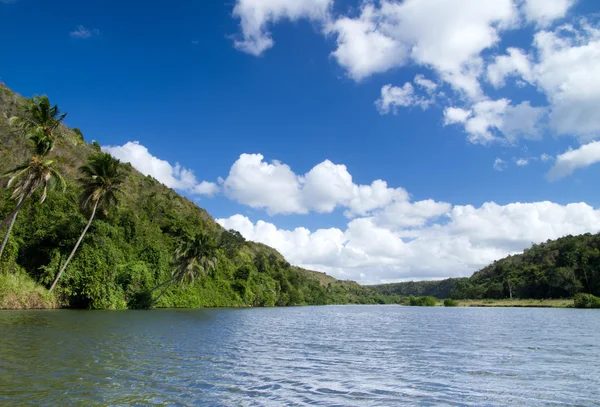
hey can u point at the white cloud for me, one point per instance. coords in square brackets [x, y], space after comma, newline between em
[429, 85]
[499, 164]
[83, 33]
[453, 115]
[395, 33]
[566, 69]
[488, 120]
[568, 72]
[516, 62]
[546, 157]
[256, 15]
[175, 177]
[522, 162]
[467, 239]
[572, 160]
[544, 12]
[277, 189]
[393, 97]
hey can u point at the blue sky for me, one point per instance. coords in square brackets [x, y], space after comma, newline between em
[441, 104]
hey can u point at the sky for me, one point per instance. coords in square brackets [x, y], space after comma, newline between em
[378, 141]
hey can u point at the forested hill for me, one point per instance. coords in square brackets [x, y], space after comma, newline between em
[555, 269]
[129, 251]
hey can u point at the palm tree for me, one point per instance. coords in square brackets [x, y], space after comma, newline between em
[39, 120]
[195, 257]
[26, 179]
[101, 179]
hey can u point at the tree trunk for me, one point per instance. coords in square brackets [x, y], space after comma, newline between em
[76, 246]
[10, 226]
[13, 214]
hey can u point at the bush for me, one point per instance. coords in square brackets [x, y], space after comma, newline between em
[449, 302]
[586, 301]
[425, 301]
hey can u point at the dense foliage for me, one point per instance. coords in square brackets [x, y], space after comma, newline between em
[555, 269]
[424, 301]
[449, 302]
[132, 249]
[582, 300]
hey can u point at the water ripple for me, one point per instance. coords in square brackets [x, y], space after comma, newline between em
[312, 356]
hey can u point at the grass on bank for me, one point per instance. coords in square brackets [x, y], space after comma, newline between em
[19, 291]
[427, 301]
[526, 303]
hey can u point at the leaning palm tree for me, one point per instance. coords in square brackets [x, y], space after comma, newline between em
[39, 120]
[195, 257]
[25, 180]
[101, 179]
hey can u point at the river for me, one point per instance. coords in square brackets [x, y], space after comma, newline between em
[302, 356]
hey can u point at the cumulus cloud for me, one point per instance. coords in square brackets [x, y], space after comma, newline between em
[396, 33]
[544, 12]
[393, 97]
[497, 120]
[567, 70]
[464, 240]
[277, 189]
[83, 33]
[515, 63]
[175, 177]
[572, 160]
[256, 15]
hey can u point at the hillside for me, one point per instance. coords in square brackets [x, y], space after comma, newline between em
[555, 269]
[129, 250]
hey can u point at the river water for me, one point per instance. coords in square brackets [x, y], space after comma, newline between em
[306, 356]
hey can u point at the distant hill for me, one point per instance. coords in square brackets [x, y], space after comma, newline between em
[555, 269]
[129, 251]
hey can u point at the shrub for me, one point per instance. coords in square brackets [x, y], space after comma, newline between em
[449, 302]
[425, 301]
[582, 300]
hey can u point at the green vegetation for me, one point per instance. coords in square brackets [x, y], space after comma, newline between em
[19, 291]
[586, 301]
[425, 301]
[556, 269]
[449, 302]
[149, 246]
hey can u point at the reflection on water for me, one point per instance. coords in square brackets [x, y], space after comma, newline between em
[319, 356]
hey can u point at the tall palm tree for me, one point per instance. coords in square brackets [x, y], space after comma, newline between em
[101, 179]
[26, 179]
[38, 120]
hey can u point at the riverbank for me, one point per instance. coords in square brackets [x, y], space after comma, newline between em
[518, 303]
[19, 291]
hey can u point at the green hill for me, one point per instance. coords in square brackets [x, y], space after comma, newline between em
[129, 251]
[555, 269]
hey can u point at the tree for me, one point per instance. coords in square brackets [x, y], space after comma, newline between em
[38, 121]
[195, 257]
[26, 179]
[101, 179]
